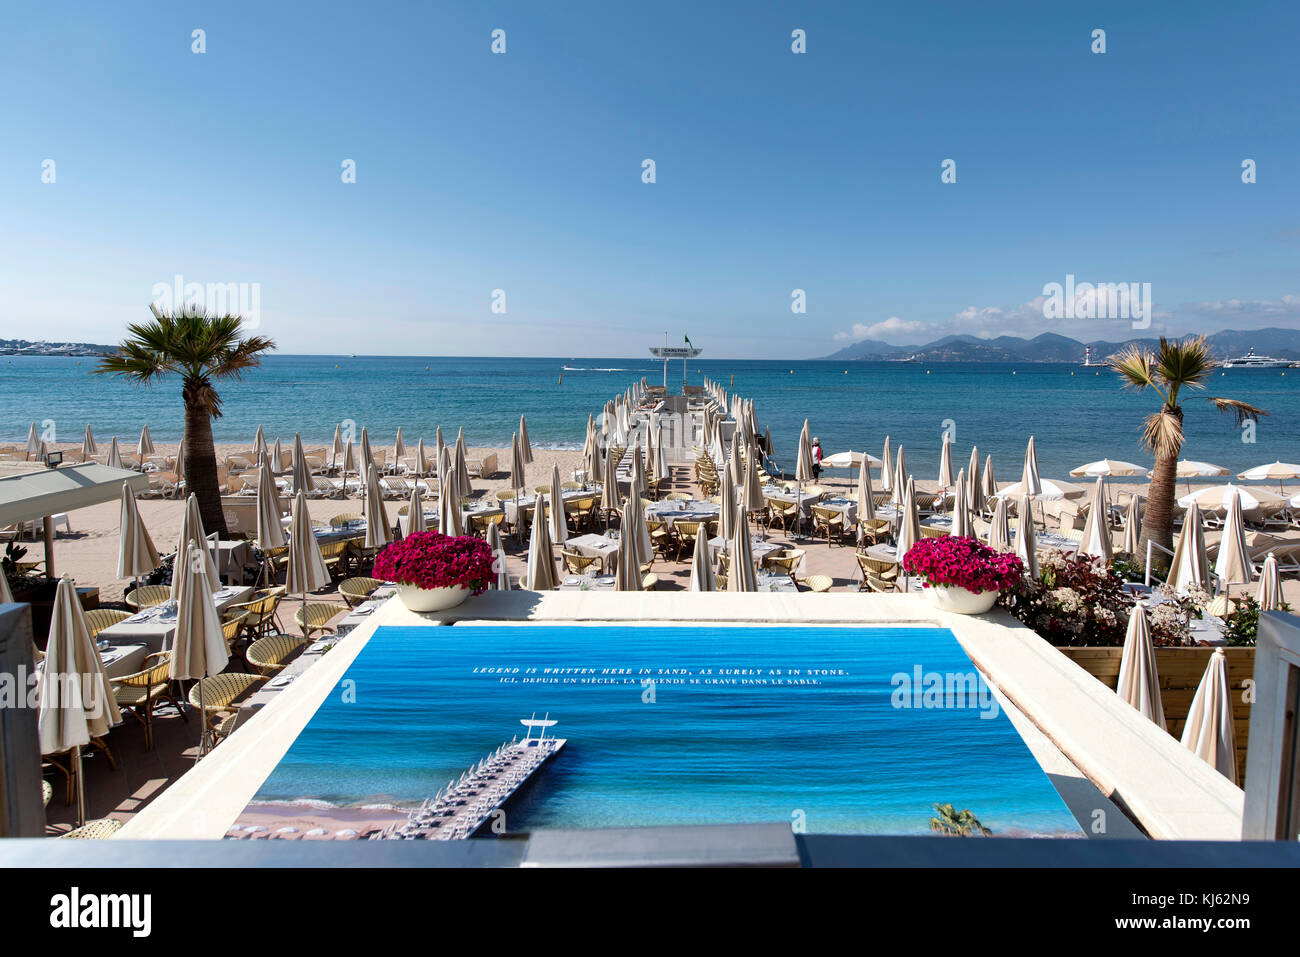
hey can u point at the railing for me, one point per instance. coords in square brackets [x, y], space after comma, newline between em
[1151, 545]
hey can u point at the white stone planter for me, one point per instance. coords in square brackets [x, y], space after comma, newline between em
[959, 600]
[431, 599]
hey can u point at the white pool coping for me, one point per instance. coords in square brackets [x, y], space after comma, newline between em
[1163, 786]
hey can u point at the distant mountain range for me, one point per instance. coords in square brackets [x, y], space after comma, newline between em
[25, 347]
[1050, 347]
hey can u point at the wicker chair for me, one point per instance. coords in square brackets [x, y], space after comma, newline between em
[100, 618]
[219, 693]
[684, 533]
[146, 596]
[357, 590]
[577, 563]
[139, 693]
[98, 830]
[829, 519]
[678, 497]
[259, 612]
[874, 530]
[269, 655]
[875, 583]
[929, 531]
[315, 616]
[481, 523]
[819, 583]
[786, 514]
[661, 539]
[880, 569]
[785, 562]
[343, 518]
[334, 554]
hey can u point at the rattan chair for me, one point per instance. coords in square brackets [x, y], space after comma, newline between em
[100, 618]
[576, 562]
[357, 590]
[315, 616]
[874, 530]
[819, 583]
[829, 519]
[269, 655]
[99, 830]
[343, 518]
[481, 523]
[138, 694]
[146, 596]
[880, 569]
[786, 514]
[218, 694]
[334, 554]
[929, 531]
[785, 562]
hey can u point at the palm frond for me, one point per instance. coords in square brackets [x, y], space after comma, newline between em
[1241, 412]
[1136, 366]
[1184, 364]
[1162, 432]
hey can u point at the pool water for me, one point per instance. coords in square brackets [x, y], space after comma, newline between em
[679, 725]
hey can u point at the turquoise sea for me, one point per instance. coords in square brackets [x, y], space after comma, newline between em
[738, 725]
[1077, 414]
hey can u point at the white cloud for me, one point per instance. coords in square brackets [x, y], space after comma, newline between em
[893, 327]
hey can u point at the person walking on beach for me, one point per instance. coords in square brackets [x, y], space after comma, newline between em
[817, 458]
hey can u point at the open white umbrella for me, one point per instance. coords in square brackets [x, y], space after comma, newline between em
[415, 513]
[1188, 469]
[1190, 569]
[524, 445]
[114, 455]
[198, 645]
[945, 462]
[378, 530]
[1270, 587]
[1096, 529]
[136, 554]
[540, 575]
[88, 445]
[886, 468]
[1132, 527]
[1109, 467]
[1277, 472]
[1209, 731]
[75, 700]
[1049, 490]
[306, 570]
[1029, 479]
[701, 568]
[449, 517]
[1139, 684]
[909, 525]
[555, 513]
[962, 524]
[499, 564]
[1000, 528]
[1232, 565]
[192, 533]
[1026, 538]
[848, 460]
[302, 480]
[1220, 497]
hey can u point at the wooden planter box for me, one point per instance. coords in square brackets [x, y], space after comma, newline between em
[1180, 671]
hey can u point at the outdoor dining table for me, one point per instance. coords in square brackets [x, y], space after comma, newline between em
[596, 546]
[806, 501]
[766, 581]
[154, 627]
[329, 534]
[512, 505]
[583, 583]
[431, 517]
[670, 511]
[847, 506]
[759, 550]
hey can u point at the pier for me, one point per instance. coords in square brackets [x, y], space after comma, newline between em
[465, 805]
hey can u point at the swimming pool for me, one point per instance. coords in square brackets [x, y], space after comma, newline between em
[835, 729]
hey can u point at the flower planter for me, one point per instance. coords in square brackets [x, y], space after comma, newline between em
[431, 599]
[960, 601]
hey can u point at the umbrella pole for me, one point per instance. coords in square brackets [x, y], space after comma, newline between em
[81, 786]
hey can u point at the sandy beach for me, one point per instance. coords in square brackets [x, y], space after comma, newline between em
[312, 821]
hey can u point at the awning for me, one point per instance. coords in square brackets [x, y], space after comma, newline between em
[34, 495]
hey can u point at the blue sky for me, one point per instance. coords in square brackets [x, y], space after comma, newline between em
[522, 171]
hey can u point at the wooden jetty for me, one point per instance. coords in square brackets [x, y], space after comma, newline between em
[465, 805]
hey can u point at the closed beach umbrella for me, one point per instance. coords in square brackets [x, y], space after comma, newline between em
[974, 491]
[1270, 588]
[804, 464]
[270, 530]
[609, 502]
[1209, 731]
[88, 445]
[349, 462]
[449, 518]
[1220, 497]
[627, 573]
[259, 442]
[1139, 684]
[306, 571]
[378, 531]
[499, 565]
[742, 577]
[1190, 568]
[638, 534]
[399, 448]
[447, 474]
[1109, 467]
[909, 524]
[592, 461]
[767, 441]
[367, 454]
[727, 507]
[198, 645]
[415, 513]
[658, 469]
[962, 526]
[1132, 527]
[999, 528]
[114, 455]
[180, 459]
[192, 533]
[541, 561]
[136, 554]
[439, 446]
[302, 480]
[898, 486]
[1026, 539]
[145, 446]
[1029, 478]
[524, 445]
[422, 465]
[945, 462]
[33, 441]
[886, 468]
[1096, 529]
[277, 457]
[1277, 472]
[559, 527]
[516, 462]
[462, 463]
[989, 483]
[733, 464]
[76, 701]
[753, 489]
[701, 568]
[1233, 562]
[866, 500]
[336, 446]
[637, 488]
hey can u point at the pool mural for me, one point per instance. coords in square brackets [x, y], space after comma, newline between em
[833, 729]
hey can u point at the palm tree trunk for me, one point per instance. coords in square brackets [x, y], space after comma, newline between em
[201, 465]
[1158, 518]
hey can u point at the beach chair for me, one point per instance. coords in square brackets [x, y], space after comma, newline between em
[146, 596]
[661, 540]
[393, 486]
[139, 694]
[271, 654]
[878, 584]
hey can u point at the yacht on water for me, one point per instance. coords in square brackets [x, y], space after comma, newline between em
[1252, 361]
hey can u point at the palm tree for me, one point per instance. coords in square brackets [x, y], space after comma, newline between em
[1173, 367]
[201, 349]
[954, 823]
